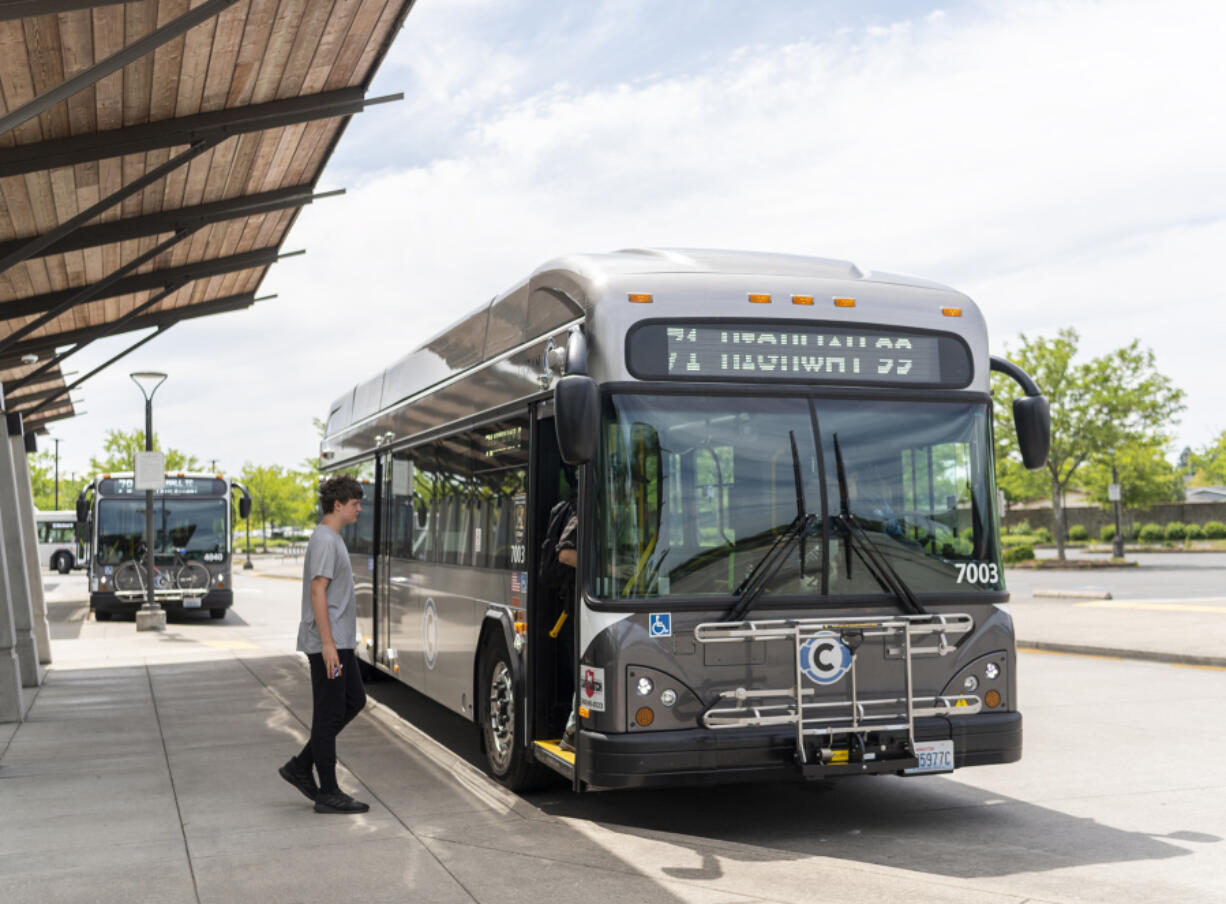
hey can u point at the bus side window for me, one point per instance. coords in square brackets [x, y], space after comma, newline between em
[425, 506]
[500, 469]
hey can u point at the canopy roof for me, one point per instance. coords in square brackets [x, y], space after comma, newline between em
[154, 154]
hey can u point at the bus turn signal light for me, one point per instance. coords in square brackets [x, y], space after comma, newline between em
[802, 299]
[844, 302]
[952, 312]
[644, 716]
[641, 297]
[759, 299]
[992, 698]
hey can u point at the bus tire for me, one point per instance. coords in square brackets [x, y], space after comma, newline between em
[499, 701]
[99, 615]
[62, 563]
[217, 614]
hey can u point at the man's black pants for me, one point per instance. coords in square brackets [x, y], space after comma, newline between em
[337, 701]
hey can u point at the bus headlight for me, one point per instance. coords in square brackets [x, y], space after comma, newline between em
[992, 671]
[644, 686]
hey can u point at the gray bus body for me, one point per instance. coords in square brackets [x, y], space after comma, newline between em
[192, 524]
[903, 667]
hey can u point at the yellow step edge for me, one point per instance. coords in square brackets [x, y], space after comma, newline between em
[554, 749]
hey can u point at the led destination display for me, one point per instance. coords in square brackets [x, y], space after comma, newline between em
[827, 353]
[175, 486]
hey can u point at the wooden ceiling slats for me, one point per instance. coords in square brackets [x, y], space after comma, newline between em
[306, 39]
[227, 39]
[276, 54]
[363, 26]
[251, 52]
[139, 19]
[108, 25]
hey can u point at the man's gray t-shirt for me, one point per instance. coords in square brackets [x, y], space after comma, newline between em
[327, 557]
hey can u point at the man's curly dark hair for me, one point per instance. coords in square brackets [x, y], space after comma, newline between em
[341, 488]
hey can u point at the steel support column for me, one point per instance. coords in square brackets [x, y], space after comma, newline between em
[12, 703]
[17, 578]
[25, 504]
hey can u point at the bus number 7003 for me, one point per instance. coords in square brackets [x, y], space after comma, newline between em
[978, 573]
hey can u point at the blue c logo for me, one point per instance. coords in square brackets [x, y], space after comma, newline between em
[824, 658]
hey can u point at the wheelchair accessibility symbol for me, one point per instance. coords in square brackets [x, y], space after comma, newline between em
[661, 624]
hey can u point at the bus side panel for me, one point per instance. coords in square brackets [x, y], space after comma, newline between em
[404, 623]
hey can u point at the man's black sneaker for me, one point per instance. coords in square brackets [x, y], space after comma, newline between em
[338, 802]
[303, 781]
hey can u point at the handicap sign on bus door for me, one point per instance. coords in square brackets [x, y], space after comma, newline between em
[661, 624]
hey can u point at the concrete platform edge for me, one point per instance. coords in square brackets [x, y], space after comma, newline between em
[1218, 662]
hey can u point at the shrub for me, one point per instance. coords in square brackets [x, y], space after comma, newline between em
[1176, 530]
[1044, 535]
[1021, 527]
[1195, 532]
[1019, 554]
[1152, 533]
[1078, 532]
[1215, 530]
[1107, 534]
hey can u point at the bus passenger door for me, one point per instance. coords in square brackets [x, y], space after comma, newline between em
[400, 612]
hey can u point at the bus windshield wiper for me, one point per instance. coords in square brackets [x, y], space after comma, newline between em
[858, 540]
[749, 589]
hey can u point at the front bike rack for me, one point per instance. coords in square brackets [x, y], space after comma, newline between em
[853, 716]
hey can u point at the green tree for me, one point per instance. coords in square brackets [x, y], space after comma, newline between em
[1209, 463]
[42, 482]
[1146, 477]
[1098, 407]
[279, 497]
[119, 453]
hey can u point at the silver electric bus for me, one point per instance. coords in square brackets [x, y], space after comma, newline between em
[788, 559]
[192, 543]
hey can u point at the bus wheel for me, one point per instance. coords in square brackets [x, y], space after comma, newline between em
[218, 614]
[99, 615]
[63, 563]
[499, 705]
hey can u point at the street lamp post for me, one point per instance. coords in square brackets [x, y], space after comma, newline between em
[151, 616]
[56, 440]
[247, 566]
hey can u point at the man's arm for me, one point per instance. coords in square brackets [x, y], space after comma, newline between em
[319, 608]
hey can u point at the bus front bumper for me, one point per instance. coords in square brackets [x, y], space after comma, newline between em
[706, 757]
[214, 599]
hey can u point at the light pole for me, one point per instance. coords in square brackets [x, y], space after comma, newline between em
[151, 617]
[56, 440]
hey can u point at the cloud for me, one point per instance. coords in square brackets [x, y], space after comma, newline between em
[1059, 162]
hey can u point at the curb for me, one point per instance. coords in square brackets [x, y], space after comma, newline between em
[1072, 594]
[1214, 662]
[277, 577]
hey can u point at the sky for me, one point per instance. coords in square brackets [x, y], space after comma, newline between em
[1059, 162]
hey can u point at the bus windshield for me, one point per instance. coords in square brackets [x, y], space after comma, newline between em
[197, 526]
[701, 487]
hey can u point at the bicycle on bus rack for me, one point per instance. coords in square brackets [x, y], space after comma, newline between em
[182, 579]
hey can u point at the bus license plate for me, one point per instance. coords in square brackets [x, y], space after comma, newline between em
[933, 756]
[191, 602]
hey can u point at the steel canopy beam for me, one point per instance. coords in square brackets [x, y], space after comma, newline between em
[187, 312]
[101, 367]
[116, 61]
[17, 402]
[174, 220]
[184, 130]
[21, 9]
[142, 282]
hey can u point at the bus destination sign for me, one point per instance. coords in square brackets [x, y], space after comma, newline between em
[174, 486]
[828, 353]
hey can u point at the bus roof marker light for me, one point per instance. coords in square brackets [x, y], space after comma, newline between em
[844, 302]
[802, 299]
[755, 298]
[952, 312]
[640, 297]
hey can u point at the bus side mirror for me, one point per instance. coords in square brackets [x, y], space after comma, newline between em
[576, 419]
[82, 511]
[244, 507]
[1033, 421]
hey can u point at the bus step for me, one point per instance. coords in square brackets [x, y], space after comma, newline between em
[552, 755]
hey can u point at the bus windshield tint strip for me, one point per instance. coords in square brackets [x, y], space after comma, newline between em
[808, 352]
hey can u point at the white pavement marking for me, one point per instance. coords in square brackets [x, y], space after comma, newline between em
[1155, 606]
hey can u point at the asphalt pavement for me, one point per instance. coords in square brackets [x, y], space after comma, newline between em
[146, 771]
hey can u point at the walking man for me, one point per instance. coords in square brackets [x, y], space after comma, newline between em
[328, 635]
